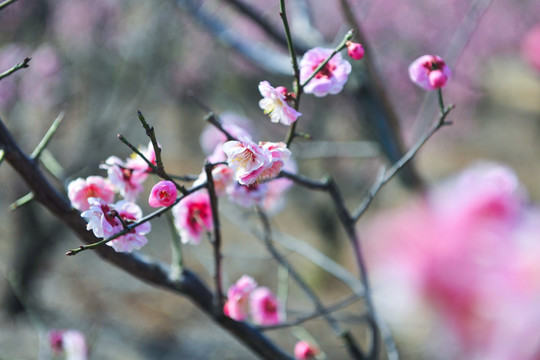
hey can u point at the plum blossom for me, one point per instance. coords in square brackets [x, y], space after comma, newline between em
[303, 350]
[355, 50]
[223, 177]
[247, 159]
[265, 308]
[429, 72]
[193, 217]
[274, 199]
[71, 343]
[129, 176]
[79, 190]
[238, 295]
[255, 163]
[274, 103]
[248, 195]
[330, 79]
[163, 194]
[465, 251]
[104, 222]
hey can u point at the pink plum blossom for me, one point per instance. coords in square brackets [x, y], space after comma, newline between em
[103, 221]
[247, 159]
[223, 177]
[274, 103]
[248, 195]
[238, 298]
[330, 79]
[193, 217]
[274, 199]
[71, 343]
[429, 72]
[163, 194]
[280, 154]
[265, 308]
[465, 251]
[80, 190]
[355, 50]
[530, 47]
[303, 350]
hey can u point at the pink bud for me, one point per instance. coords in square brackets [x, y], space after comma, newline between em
[305, 351]
[282, 90]
[163, 194]
[437, 78]
[355, 50]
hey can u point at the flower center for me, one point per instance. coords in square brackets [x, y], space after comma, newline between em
[325, 72]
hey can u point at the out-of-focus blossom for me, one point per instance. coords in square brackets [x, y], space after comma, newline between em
[355, 50]
[223, 177]
[275, 199]
[265, 308]
[193, 217]
[429, 72]
[103, 221]
[238, 295]
[163, 194]
[274, 103]
[303, 350]
[247, 195]
[530, 47]
[212, 138]
[80, 190]
[247, 159]
[331, 78]
[465, 251]
[71, 343]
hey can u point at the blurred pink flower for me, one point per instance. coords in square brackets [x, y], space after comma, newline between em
[223, 177]
[265, 308]
[71, 343]
[466, 251]
[80, 190]
[247, 195]
[238, 296]
[274, 103]
[303, 350]
[274, 199]
[331, 78]
[163, 194]
[355, 50]
[247, 159]
[530, 47]
[429, 72]
[193, 217]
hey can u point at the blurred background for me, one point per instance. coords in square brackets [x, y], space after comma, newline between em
[100, 61]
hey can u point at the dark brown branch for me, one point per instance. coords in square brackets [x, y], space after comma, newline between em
[137, 265]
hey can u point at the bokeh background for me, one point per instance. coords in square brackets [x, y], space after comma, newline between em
[100, 61]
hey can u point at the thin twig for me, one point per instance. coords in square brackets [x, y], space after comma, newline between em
[216, 243]
[389, 174]
[48, 136]
[6, 3]
[21, 201]
[22, 65]
[123, 139]
[347, 338]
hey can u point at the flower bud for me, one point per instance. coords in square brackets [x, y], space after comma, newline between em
[355, 50]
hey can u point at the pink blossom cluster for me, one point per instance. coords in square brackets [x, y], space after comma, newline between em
[468, 251]
[70, 343]
[193, 217]
[95, 195]
[245, 298]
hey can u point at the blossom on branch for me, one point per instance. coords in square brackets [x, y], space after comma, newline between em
[303, 350]
[247, 195]
[80, 190]
[238, 295]
[193, 217]
[274, 103]
[330, 79]
[429, 72]
[127, 177]
[265, 308]
[355, 50]
[163, 194]
[71, 343]
[223, 177]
